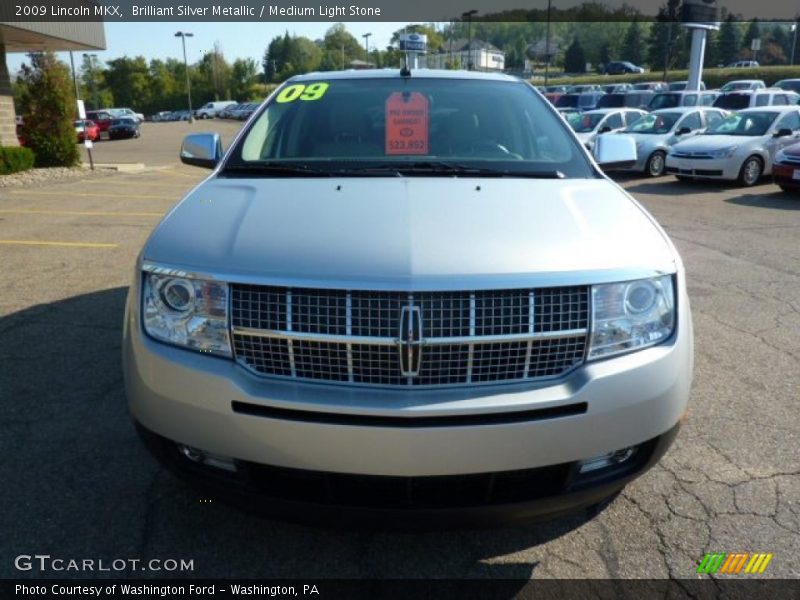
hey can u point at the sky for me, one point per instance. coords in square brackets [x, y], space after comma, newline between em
[238, 40]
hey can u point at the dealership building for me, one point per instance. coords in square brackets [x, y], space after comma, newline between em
[38, 37]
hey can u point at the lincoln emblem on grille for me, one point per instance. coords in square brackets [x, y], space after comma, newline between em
[409, 342]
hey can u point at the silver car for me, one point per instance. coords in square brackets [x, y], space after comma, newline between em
[588, 125]
[657, 132]
[408, 291]
[741, 147]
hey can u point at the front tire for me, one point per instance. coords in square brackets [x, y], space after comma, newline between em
[656, 164]
[751, 171]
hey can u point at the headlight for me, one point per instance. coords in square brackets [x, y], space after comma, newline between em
[631, 315]
[723, 152]
[187, 312]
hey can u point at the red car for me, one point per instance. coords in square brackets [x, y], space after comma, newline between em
[103, 120]
[87, 130]
[786, 169]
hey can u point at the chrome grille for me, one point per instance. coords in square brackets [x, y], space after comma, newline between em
[456, 338]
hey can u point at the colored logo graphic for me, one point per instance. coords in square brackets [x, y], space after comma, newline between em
[734, 563]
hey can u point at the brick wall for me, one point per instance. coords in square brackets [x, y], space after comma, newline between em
[8, 131]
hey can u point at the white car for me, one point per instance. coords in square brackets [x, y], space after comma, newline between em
[588, 125]
[755, 98]
[740, 147]
[210, 110]
[657, 132]
[743, 84]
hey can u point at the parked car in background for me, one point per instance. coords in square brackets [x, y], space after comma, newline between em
[656, 132]
[210, 109]
[791, 85]
[555, 89]
[755, 98]
[582, 89]
[102, 119]
[739, 147]
[164, 115]
[86, 130]
[620, 67]
[225, 113]
[744, 64]
[639, 98]
[678, 86]
[564, 112]
[489, 329]
[684, 98]
[617, 88]
[786, 169]
[588, 100]
[588, 125]
[181, 115]
[567, 101]
[125, 112]
[651, 86]
[743, 84]
[124, 127]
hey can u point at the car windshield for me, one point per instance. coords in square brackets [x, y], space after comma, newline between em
[664, 101]
[122, 122]
[744, 123]
[789, 84]
[408, 126]
[732, 86]
[733, 101]
[611, 101]
[584, 123]
[589, 99]
[568, 101]
[660, 123]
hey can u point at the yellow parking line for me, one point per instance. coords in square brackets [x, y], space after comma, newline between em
[79, 213]
[109, 195]
[63, 244]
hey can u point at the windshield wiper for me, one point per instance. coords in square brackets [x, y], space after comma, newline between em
[447, 168]
[277, 169]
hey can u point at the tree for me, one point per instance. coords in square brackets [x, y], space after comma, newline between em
[779, 36]
[129, 81]
[574, 58]
[666, 44]
[47, 106]
[728, 40]
[605, 54]
[633, 45]
[243, 76]
[339, 47]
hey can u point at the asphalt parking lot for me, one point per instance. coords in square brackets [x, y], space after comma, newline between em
[80, 485]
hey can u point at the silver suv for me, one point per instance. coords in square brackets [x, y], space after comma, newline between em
[408, 291]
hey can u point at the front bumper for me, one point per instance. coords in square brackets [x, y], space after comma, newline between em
[706, 168]
[603, 406]
[785, 175]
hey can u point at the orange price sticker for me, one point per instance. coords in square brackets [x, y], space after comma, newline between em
[407, 123]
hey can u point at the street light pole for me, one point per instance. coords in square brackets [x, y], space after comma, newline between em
[468, 16]
[366, 46]
[183, 35]
[794, 40]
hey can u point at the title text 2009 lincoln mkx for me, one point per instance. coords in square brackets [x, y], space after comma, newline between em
[408, 293]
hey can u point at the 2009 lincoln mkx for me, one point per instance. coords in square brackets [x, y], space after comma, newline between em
[409, 294]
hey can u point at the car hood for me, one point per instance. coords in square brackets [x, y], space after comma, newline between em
[706, 143]
[412, 232]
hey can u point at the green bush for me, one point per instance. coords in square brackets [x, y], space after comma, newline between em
[48, 109]
[15, 159]
[713, 78]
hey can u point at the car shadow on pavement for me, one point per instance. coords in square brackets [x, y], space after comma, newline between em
[779, 200]
[669, 186]
[84, 486]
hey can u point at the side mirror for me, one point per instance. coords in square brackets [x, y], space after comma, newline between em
[683, 131]
[782, 133]
[201, 150]
[615, 152]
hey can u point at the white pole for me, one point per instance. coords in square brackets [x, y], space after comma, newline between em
[696, 58]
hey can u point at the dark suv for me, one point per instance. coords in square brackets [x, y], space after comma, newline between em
[620, 67]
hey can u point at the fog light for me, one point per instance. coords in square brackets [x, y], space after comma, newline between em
[202, 457]
[611, 459]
